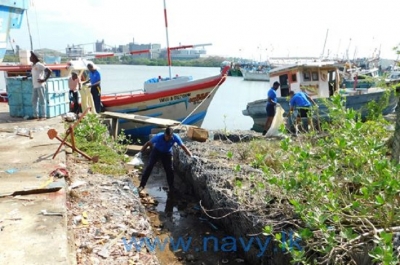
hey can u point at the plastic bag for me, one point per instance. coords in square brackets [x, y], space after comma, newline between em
[276, 123]
[136, 161]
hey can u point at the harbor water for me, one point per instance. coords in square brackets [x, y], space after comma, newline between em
[225, 111]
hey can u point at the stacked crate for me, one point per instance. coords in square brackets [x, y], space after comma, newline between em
[20, 91]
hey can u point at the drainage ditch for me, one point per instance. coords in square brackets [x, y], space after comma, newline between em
[179, 220]
[206, 211]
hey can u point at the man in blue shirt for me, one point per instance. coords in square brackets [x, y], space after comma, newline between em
[95, 89]
[271, 104]
[162, 144]
[302, 102]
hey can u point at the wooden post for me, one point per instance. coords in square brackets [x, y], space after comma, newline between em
[114, 127]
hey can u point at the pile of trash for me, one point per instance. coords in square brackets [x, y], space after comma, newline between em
[70, 117]
[104, 214]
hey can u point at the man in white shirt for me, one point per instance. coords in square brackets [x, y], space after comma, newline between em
[40, 74]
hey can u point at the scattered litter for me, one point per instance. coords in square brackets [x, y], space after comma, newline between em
[76, 184]
[45, 212]
[70, 116]
[84, 218]
[136, 161]
[104, 252]
[60, 173]
[77, 219]
[11, 171]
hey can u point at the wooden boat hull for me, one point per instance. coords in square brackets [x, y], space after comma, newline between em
[186, 101]
[257, 109]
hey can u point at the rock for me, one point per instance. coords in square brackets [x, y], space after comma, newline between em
[68, 150]
[190, 257]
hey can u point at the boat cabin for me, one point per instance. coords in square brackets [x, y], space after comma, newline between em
[318, 79]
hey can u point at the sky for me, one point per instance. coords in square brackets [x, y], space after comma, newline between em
[251, 29]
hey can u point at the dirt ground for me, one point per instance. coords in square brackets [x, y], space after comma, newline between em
[104, 209]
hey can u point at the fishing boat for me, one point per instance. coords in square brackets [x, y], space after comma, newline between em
[257, 72]
[179, 98]
[320, 80]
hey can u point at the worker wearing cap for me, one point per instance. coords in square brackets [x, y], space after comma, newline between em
[39, 73]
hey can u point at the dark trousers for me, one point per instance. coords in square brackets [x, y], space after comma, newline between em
[96, 94]
[166, 159]
[74, 98]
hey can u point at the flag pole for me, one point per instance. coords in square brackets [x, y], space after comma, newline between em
[168, 49]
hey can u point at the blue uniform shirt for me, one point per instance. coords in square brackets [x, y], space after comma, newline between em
[94, 76]
[299, 100]
[165, 146]
[272, 96]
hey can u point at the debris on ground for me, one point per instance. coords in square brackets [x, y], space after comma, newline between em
[103, 213]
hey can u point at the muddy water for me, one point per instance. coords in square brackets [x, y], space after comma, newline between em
[179, 217]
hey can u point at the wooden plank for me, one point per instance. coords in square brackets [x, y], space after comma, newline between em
[142, 119]
[134, 147]
[31, 191]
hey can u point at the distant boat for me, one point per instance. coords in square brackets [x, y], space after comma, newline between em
[234, 68]
[393, 77]
[258, 72]
[318, 79]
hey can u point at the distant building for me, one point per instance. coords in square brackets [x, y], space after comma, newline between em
[123, 49]
[185, 54]
[99, 46]
[154, 54]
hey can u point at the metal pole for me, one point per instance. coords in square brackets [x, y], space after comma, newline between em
[323, 49]
[29, 30]
[166, 31]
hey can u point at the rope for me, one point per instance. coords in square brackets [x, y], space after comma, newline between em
[216, 86]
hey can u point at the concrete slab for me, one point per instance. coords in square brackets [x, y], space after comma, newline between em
[27, 236]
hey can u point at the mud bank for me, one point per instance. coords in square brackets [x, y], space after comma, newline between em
[231, 199]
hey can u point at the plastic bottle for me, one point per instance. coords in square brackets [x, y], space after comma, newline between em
[211, 136]
[135, 191]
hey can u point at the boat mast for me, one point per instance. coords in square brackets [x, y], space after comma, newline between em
[347, 51]
[323, 49]
[166, 31]
[337, 52]
[29, 30]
